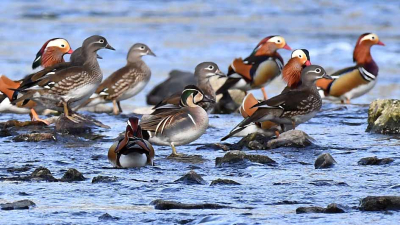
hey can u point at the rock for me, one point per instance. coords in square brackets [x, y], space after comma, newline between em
[324, 160]
[291, 138]
[72, 175]
[224, 182]
[191, 178]
[176, 82]
[35, 137]
[42, 174]
[167, 205]
[331, 208]
[237, 156]
[107, 217]
[19, 169]
[384, 116]
[16, 123]
[254, 141]
[22, 204]
[374, 161]
[378, 203]
[84, 125]
[104, 179]
[214, 146]
[193, 159]
[311, 209]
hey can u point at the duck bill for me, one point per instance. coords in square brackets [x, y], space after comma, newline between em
[218, 73]
[308, 63]
[151, 53]
[380, 43]
[287, 47]
[326, 76]
[108, 46]
[70, 51]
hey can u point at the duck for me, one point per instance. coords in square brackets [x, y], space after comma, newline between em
[178, 125]
[50, 54]
[134, 150]
[125, 82]
[294, 106]
[257, 70]
[291, 72]
[246, 109]
[202, 73]
[70, 87]
[355, 81]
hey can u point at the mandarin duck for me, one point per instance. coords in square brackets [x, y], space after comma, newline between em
[355, 81]
[294, 106]
[133, 150]
[202, 73]
[125, 82]
[68, 88]
[178, 125]
[261, 67]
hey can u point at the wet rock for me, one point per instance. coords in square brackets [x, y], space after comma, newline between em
[19, 169]
[16, 123]
[378, 203]
[4, 132]
[191, 178]
[104, 179]
[107, 217]
[224, 182]
[328, 183]
[35, 137]
[84, 124]
[22, 204]
[72, 175]
[42, 174]
[167, 205]
[215, 146]
[194, 159]
[291, 138]
[176, 82]
[384, 116]
[331, 208]
[324, 160]
[374, 161]
[254, 141]
[237, 156]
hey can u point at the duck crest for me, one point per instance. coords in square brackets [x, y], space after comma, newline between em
[291, 73]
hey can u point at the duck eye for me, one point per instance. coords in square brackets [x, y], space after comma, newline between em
[141, 47]
[279, 41]
[373, 37]
[101, 41]
[299, 56]
[62, 46]
[318, 70]
[210, 67]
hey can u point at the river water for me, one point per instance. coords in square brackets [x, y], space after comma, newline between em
[183, 34]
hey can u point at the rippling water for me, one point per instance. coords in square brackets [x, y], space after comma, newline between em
[183, 34]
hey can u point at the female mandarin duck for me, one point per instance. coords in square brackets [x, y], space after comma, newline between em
[294, 106]
[352, 82]
[257, 70]
[178, 125]
[133, 150]
[49, 55]
[267, 128]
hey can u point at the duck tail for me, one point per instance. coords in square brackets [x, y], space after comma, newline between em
[8, 87]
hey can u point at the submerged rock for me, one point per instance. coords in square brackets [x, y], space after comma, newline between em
[106, 217]
[22, 204]
[16, 123]
[35, 137]
[291, 138]
[42, 174]
[214, 146]
[384, 116]
[331, 208]
[224, 182]
[374, 161]
[72, 175]
[237, 156]
[378, 203]
[191, 178]
[167, 205]
[104, 179]
[324, 160]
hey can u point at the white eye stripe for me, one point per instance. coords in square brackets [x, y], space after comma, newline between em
[369, 37]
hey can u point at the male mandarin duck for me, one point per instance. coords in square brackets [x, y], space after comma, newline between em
[202, 73]
[257, 70]
[294, 106]
[355, 81]
[125, 82]
[50, 54]
[246, 110]
[133, 150]
[68, 88]
[178, 125]
[291, 72]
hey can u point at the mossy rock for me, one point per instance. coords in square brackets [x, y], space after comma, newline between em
[384, 116]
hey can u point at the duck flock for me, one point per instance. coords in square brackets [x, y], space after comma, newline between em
[181, 118]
